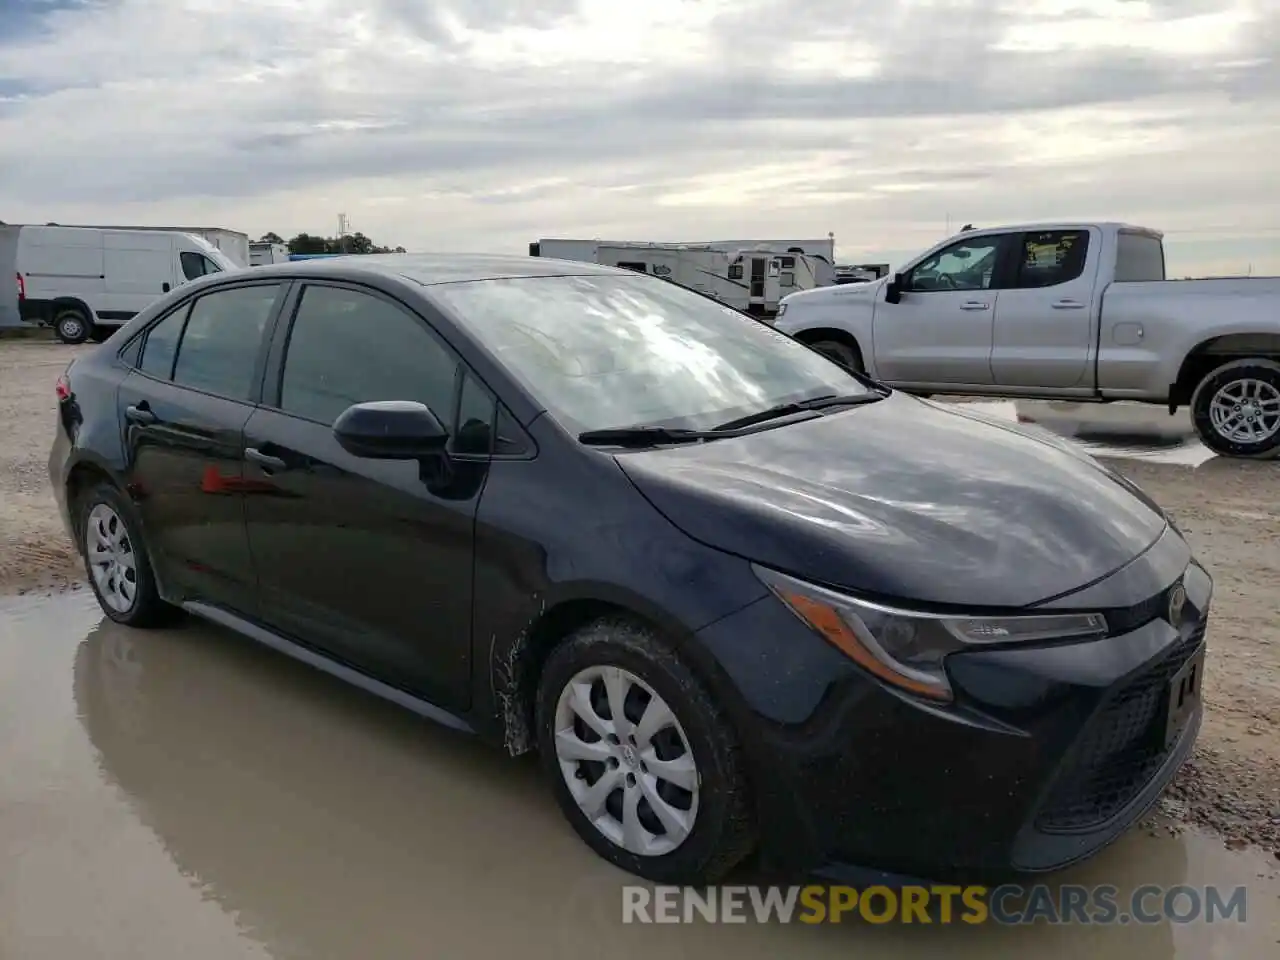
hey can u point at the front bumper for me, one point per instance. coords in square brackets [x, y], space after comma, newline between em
[1048, 754]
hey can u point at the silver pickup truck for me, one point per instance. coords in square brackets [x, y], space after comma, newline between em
[1077, 311]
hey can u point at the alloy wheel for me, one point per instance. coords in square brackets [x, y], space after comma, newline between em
[1246, 411]
[626, 760]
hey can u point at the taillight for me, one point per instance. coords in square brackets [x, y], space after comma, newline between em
[22, 287]
[63, 388]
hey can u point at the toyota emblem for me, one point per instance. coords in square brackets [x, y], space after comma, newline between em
[1177, 600]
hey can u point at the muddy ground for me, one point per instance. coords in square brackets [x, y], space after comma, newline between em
[1229, 510]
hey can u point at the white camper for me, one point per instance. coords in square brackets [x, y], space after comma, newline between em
[85, 282]
[751, 280]
[263, 252]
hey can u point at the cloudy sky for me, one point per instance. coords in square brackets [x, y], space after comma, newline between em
[484, 124]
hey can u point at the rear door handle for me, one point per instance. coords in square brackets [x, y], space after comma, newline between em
[267, 462]
[140, 414]
[1068, 305]
[975, 305]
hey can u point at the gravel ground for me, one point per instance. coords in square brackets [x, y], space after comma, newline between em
[1230, 511]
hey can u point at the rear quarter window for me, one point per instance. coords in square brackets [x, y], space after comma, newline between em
[1139, 258]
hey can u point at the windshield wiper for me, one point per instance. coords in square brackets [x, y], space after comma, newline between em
[644, 436]
[801, 406]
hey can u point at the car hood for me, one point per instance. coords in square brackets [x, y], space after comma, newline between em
[836, 293]
[905, 499]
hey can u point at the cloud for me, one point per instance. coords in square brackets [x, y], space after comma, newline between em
[487, 123]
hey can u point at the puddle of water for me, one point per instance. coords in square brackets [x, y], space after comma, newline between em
[1132, 440]
[185, 793]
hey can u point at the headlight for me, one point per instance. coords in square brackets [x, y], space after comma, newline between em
[906, 648]
[782, 308]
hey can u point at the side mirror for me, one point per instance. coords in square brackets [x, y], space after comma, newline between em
[390, 430]
[894, 288]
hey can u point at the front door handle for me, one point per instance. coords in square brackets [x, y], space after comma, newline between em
[1068, 305]
[975, 305]
[140, 414]
[267, 462]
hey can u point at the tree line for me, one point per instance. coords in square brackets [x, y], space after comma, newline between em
[311, 243]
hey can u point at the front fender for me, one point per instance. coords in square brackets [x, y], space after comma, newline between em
[847, 310]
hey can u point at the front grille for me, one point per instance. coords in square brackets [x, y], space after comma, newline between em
[1119, 752]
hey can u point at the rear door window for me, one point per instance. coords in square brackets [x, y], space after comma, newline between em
[1050, 258]
[219, 347]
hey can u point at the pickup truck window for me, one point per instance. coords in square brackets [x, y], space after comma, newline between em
[966, 265]
[1050, 258]
[1139, 258]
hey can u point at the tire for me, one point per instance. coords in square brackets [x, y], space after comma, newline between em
[1255, 383]
[95, 511]
[723, 831]
[847, 355]
[71, 325]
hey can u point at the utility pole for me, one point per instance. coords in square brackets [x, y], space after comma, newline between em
[344, 227]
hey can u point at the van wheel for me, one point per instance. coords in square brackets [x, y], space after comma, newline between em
[844, 354]
[643, 763]
[1236, 409]
[71, 325]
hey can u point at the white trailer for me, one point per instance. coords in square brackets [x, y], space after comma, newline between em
[824, 247]
[753, 280]
[860, 272]
[263, 252]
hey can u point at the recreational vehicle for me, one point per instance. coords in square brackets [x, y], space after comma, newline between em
[752, 280]
[264, 252]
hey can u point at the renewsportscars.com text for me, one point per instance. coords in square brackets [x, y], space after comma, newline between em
[1006, 905]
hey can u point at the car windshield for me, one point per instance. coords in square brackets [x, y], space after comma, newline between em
[613, 351]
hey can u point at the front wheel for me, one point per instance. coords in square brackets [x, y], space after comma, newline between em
[643, 764]
[1236, 409]
[842, 353]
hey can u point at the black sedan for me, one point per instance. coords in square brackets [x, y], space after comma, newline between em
[739, 599]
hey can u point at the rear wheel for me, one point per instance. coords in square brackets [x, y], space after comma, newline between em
[845, 354]
[71, 325]
[1236, 409]
[116, 559]
[643, 764]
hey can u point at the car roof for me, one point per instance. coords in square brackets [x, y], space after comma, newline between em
[433, 268]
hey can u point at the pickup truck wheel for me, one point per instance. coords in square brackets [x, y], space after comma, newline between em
[842, 353]
[1236, 409]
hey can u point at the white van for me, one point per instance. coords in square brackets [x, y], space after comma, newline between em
[85, 282]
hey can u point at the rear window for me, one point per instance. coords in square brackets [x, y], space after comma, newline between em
[1139, 258]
